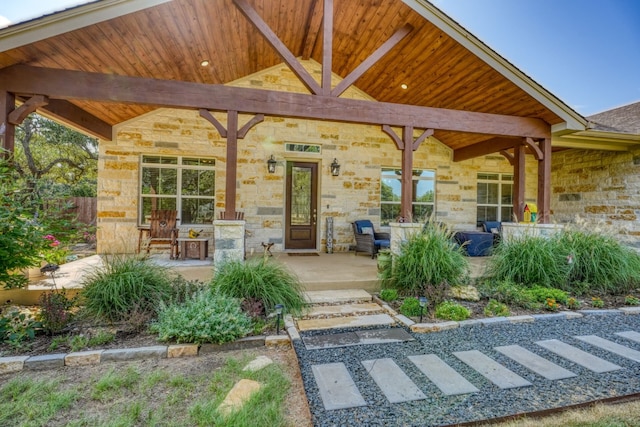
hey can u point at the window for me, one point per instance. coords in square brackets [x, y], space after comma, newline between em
[185, 184]
[303, 148]
[424, 194]
[495, 197]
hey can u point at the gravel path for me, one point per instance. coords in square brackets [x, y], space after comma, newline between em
[490, 401]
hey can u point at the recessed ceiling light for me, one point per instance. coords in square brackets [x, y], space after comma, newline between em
[204, 63]
[404, 86]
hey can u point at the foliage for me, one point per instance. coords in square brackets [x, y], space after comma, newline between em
[435, 294]
[530, 261]
[428, 258]
[253, 307]
[16, 327]
[389, 294]
[631, 300]
[263, 280]
[496, 308]
[597, 302]
[542, 294]
[81, 342]
[411, 307]
[573, 303]
[184, 289]
[55, 309]
[452, 311]
[600, 260]
[507, 292]
[124, 286]
[207, 317]
[551, 304]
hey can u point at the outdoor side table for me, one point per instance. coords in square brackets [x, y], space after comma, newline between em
[193, 248]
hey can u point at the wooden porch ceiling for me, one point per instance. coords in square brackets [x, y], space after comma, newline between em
[169, 41]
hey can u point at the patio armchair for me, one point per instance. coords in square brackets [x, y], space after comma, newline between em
[367, 239]
[495, 228]
[162, 231]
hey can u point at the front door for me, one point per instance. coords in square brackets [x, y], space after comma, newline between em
[301, 205]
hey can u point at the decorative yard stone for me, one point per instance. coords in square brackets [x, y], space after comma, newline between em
[81, 358]
[45, 361]
[404, 320]
[465, 293]
[277, 341]
[182, 350]
[433, 327]
[258, 363]
[159, 351]
[630, 310]
[238, 396]
[12, 364]
[521, 319]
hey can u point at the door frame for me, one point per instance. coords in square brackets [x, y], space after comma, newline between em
[315, 200]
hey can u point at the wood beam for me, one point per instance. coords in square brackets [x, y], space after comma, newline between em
[371, 60]
[544, 182]
[327, 47]
[7, 130]
[491, 145]
[531, 144]
[65, 84]
[75, 117]
[394, 137]
[313, 29]
[205, 114]
[280, 48]
[519, 174]
[406, 198]
[419, 140]
[258, 118]
[18, 115]
[232, 165]
[510, 157]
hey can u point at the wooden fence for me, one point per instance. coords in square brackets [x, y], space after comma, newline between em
[85, 209]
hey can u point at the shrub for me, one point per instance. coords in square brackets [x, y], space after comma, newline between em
[495, 308]
[631, 300]
[125, 285]
[530, 261]
[411, 307]
[507, 292]
[428, 258]
[263, 280]
[448, 310]
[600, 260]
[597, 302]
[16, 327]
[551, 304]
[54, 311]
[207, 317]
[542, 294]
[573, 304]
[389, 295]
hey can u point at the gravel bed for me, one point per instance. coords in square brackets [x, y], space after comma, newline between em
[490, 401]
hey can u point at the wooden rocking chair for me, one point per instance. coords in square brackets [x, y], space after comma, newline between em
[163, 231]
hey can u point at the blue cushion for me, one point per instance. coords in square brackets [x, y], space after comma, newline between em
[382, 243]
[362, 223]
[487, 226]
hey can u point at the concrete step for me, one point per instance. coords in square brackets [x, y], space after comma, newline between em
[371, 284]
[327, 311]
[345, 322]
[338, 296]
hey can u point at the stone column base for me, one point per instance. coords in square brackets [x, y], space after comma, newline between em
[228, 238]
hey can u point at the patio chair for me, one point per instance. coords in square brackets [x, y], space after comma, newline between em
[367, 239]
[163, 231]
[495, 228]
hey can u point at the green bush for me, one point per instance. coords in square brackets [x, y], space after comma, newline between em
[263, 280]
[206, 317]
[600, 260]
[125, 286]
[542, 294]
[496, 308]
[429, 258]
[388, 295]
[448, 310]
[17, 327]
[55, 309]
[530, 261]
[411, 307]
[507, 292]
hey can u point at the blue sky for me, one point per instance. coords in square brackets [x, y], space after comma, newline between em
[586, 52]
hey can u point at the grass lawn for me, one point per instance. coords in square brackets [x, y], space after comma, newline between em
[164, 392]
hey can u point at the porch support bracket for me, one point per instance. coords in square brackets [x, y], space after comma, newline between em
[282, 50]
[232, 134]
[29, 106]
[507, 155]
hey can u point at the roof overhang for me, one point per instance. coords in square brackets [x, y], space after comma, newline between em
[597, 140]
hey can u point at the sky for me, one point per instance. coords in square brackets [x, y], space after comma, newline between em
[585, 52]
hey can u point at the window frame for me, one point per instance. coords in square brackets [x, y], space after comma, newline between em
[414, 178]
[179, 166]
[502, 180]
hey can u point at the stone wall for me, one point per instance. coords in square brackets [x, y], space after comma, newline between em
[601, 188]
[362, 150]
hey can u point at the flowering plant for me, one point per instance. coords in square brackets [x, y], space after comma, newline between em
[53, 252]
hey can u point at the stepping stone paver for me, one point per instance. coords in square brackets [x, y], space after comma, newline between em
[339, 295]
[537, 364]
[318, 342]
[344, 310]
[258, 363]
[578, 356]
[345, 322]
[238, 395]
[630, 335]
[367, 337]
[383, 336]
[611, 346]
[337, 388]
[394, 383]
[442, 375]
[491, 370]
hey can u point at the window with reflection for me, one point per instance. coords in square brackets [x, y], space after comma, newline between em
[495, 197]
[424, 194]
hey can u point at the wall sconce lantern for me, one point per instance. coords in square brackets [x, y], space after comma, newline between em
[271, 164]
[335, 168]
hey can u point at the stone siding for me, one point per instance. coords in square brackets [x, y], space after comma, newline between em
[601, 188]
[362, 150]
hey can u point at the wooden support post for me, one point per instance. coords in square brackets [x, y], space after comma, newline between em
[544, 182]
[406, 199]
[7, 129]
[327, 47]
[519, 173]
[232, 165]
